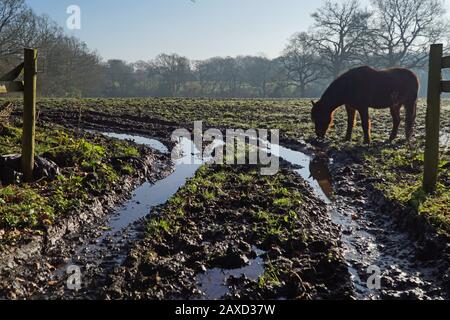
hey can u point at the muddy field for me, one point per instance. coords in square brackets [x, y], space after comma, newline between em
[334, 211]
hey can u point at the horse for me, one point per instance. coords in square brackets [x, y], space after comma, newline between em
[362, 88]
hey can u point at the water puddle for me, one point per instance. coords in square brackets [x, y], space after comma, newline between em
[312, 169]
[214, 282]
[315, 170]
[148, 195]
[152, 143]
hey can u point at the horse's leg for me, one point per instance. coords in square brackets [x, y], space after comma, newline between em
[411, 112]
[395, 112]
[365, 119]
[351, 114]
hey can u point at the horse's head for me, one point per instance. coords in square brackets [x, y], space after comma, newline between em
[321, 118]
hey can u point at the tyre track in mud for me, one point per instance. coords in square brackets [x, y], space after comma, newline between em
[370, 237]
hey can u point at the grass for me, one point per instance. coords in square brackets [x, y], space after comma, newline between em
[85, 171]
[400, 169]
[24, 208]
[270, 277]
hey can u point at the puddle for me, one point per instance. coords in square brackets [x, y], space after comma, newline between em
[150, 195]
[213, 283]
[313, 169]
[152, 143]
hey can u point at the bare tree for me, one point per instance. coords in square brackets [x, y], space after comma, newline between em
[340, 33]
[173, 70]
[258, 72]
[17, 24]
[404, 29]
[220, 76]
[70, 68]
[301, 62]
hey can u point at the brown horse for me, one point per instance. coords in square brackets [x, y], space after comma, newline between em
[364, 87]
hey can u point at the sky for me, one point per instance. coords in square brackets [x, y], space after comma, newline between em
[135, 30]
[141, 29]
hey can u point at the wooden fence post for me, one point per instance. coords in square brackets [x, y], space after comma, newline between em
[29, 113]
[433, 119]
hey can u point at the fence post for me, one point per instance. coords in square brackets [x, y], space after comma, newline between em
[433, 119]
[29, 113]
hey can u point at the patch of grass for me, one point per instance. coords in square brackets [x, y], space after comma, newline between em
[270, 277]
[120, 149]
[245, 178]
[22, 207]
[86, 171]
[156, 227]
[283, 203]
[435, 207]
[70, 152]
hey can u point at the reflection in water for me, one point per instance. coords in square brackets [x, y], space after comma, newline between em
[214, 282]
[152, 143]
[309, 168]
[318, 168]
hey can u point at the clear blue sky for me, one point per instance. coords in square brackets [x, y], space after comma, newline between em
[140, 29]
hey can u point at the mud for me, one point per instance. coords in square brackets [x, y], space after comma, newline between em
[219, 253]
[121, 124]
[369, 229]
[413, 261]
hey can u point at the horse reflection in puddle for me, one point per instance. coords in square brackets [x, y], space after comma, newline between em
[319, 170]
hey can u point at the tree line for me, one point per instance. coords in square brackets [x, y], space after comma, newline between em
[388, 33]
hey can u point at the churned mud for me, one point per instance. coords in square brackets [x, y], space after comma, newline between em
[318, 230]
[412, 259]
[251, 240]
[27, 268]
